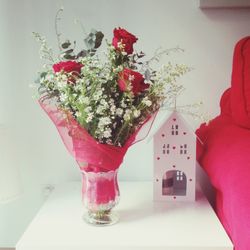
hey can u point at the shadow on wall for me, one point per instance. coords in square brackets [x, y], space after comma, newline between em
[205, 184]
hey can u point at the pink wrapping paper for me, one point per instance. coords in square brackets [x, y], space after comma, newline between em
[91, 155]
[81, 145]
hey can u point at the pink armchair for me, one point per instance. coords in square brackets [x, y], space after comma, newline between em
[225, 155]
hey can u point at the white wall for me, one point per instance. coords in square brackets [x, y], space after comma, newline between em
[207, 36]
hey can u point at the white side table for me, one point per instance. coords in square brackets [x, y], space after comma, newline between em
[143, 224]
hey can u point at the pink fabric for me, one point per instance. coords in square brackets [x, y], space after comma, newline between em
[240, 98]
[226, 159]
[225, 155]
[225, 103]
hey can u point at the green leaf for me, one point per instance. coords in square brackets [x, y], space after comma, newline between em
[94, 39]
[98, 39]
[66, 44]
[43, 74]
[69, 57]
[69, 51]
[140, 55]
[82, 53]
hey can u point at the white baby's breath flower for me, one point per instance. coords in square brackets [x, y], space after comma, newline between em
[99, 131]
[146, 101]
[78, 114]
[136, 113]
[100, 109]
[97, 95]
[113, 109]
[62, 84]
[84, 100]
[104, 121]
[119, 111]
[103, 102]
[88, 109]
[63, 97]
[107, 133]
[127, 115]
[111, 101]
[90, 117]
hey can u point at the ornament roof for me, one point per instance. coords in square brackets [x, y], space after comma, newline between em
[159, 123]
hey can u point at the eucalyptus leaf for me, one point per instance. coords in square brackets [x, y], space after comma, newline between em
[69, 51]
[69, 57]
[98, 39]
[94, 39]
[140, 55]
[66, 44]
[90, 42]
[82, 53]
[43, 74]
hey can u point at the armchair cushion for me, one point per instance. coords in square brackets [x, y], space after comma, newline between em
[240, 90]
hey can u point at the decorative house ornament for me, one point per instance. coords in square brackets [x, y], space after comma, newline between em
[174, 160]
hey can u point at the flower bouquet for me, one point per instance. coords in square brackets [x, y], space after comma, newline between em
[99, 102]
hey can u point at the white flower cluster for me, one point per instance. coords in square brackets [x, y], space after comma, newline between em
[84, 100]
[103, 130]
[61, 81]
[146, 101]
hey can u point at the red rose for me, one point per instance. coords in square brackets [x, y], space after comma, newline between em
[124, 37]
[68, 66]
[129, 78]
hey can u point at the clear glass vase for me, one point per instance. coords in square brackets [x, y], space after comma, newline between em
[100, 194]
